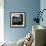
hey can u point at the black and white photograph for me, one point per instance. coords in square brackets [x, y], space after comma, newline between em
[17, 19]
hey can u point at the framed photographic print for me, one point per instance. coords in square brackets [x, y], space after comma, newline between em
[17, 19]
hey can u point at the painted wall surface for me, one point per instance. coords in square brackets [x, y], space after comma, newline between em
[28, 6]
[43, 6]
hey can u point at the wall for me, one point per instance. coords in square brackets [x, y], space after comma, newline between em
[43, 6]
[28, 6]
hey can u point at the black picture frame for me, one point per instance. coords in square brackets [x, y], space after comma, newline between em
[17, 19]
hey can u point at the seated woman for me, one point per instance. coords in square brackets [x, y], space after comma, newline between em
[26, 41]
